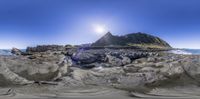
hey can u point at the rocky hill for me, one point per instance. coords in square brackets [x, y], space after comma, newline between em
[133, 39]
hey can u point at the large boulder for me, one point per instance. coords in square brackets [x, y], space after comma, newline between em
[126, 60]
[8, 77]
[84, 57]
[39, 69]
[191, 67]
[16, 51]
[64, 67]
[114, 61]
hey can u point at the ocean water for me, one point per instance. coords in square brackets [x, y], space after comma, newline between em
[5, 52]
[186, 51]
[192, 51]
[8, 51]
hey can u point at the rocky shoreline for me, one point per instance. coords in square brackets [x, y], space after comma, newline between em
[126, 69]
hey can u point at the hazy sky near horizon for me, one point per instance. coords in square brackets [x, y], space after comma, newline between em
[32, 22]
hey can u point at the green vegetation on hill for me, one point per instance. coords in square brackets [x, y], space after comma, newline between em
[134, 39]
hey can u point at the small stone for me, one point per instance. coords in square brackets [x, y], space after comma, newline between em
[151, 59]
[126, 60]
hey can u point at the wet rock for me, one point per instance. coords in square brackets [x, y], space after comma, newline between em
[89, 66]
[137, 55]
[105, 65]
[84, 57]
[16, 51]
[32, 57]
[71, 52]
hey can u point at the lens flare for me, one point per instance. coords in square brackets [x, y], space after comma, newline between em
[99, 29]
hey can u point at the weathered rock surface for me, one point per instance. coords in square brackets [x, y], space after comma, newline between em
[9, 77]
[16, 51]
[114, 61]
[84, 57]
[38, 69]
[125, 68]
[112, 56]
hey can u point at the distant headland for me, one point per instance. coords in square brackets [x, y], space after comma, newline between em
[137, 41]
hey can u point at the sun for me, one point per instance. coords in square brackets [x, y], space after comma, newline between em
[99, 29]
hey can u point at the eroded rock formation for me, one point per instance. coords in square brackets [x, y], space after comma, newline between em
[127, 69]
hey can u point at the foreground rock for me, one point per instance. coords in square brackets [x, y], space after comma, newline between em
[8, 77]
[23, 69]
[143, 74]
[126, 69]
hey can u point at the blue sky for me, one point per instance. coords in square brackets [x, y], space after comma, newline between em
[32, 22]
